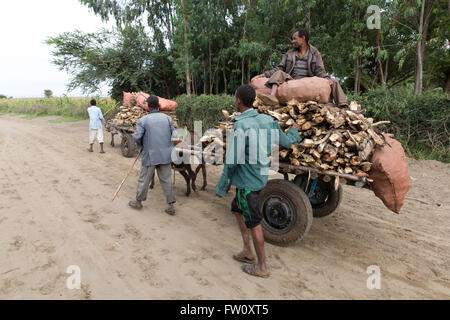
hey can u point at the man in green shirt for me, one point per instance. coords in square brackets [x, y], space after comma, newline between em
[247, 168]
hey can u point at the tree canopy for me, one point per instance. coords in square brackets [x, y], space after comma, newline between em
[170, 47]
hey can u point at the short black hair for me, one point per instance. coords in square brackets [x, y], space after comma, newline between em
[153, 102]
[93, 102]
[303, 33]
[246, 94]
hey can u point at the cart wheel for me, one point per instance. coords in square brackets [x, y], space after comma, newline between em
[324, 198]
[128, 146]
[286, 210]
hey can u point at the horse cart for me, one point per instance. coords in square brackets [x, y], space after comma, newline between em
[127, 144]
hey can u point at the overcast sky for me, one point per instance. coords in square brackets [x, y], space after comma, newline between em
[25, 67]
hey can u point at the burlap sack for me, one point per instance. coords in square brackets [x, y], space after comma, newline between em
[305, 89]
[167, 105]
[258, 85]
[127, 99]
[164, 104]
[141, 100]
[390, 174]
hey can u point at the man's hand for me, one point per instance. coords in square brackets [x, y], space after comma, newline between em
[330, 82]
[176, 141]
[296, 126]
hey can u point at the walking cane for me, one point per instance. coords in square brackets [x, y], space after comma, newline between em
[126, 176]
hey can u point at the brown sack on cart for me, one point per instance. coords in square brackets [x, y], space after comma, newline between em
[390, 174]
[259, 85]
[140, 99]
[304, 90]
[164, 104]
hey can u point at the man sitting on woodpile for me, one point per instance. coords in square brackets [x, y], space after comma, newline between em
[304, 60]
[154, 133]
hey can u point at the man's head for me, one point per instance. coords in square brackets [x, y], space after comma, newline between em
[244, 98]
[153, 102]
[300, 38]
[93, 102]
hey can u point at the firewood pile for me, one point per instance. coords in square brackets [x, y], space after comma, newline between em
[333, 138]
[128, 116]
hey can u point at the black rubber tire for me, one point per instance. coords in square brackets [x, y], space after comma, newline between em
[332, 202]
[128, 146]
[299, 209]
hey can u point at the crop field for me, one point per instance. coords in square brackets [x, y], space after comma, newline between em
[69, 108]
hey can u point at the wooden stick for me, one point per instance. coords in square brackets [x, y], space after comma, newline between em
[380, 123]
[126, 176]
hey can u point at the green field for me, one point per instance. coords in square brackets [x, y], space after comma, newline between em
[70, 109]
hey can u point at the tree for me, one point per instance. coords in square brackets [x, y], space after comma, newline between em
[2, 96]
[48, 93]
[169, 47]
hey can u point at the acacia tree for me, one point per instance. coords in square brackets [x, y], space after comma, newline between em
[48, 93]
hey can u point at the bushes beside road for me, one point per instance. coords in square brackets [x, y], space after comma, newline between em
[421, 123]
[203, 107]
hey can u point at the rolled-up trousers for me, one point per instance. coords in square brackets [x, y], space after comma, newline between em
[165, 179]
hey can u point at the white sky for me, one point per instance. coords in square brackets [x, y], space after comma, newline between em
[25, 67]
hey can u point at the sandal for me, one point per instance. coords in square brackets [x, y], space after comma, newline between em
[242, 258]
[251, 270]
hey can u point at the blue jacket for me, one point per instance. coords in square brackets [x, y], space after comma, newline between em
[154, 133]
[247, 161]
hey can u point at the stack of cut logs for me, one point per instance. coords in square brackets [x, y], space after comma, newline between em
[128, 116]
[333, 138]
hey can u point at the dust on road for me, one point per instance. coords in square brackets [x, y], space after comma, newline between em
[56, 211]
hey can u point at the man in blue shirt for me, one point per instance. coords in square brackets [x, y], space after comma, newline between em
[246, 167]
[154, 133]
[95, 125]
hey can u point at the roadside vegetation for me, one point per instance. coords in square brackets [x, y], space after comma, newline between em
[70, 109]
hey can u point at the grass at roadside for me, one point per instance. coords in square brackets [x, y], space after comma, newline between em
[70, 109]
[66, 119]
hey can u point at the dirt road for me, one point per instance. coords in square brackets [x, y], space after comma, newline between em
[56, 211]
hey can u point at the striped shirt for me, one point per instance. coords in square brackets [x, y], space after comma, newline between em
[301, 66]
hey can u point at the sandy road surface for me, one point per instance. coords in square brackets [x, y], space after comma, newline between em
[56, 211]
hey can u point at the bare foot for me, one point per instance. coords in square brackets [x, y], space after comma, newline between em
[255, 270]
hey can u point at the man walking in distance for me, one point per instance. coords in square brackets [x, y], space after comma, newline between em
[95, 125]
[248, 172]
[154, 134]
[304, 60]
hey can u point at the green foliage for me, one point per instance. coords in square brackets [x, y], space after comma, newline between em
[205, 108]
[223, 44]
[73, 108]
[3, 96]
[48, 93]
[421, 122]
